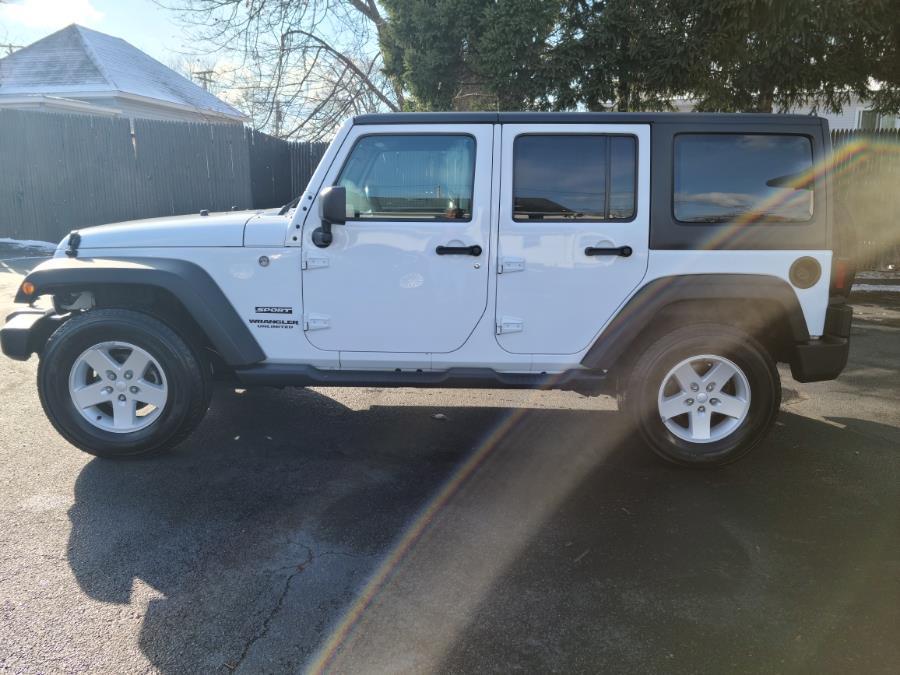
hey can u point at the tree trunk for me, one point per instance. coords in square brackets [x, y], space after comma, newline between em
[623, 84]
[623, 94]
[765, 100]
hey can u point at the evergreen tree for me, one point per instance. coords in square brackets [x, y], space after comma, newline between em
[728, 55]
[621, 54]
[770, 55]
[470, 54]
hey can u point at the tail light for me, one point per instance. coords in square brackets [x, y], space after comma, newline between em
[841, 276]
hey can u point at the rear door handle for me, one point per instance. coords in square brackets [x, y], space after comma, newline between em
[624, 251]
[474, 250]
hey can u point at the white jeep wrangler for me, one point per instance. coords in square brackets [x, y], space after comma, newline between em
[670, 259]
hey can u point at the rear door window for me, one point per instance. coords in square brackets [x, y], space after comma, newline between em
[574, 177]
[722, 178]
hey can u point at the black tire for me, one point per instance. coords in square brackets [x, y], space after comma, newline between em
[190, 388]
[638, 398]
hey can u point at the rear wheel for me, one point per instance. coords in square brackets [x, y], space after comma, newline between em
[116, 382]
[703, 395]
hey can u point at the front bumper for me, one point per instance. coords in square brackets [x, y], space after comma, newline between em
[26, 331]
[825, 358]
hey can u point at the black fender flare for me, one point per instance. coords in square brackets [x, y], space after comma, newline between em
[186, 281]
[644, 306]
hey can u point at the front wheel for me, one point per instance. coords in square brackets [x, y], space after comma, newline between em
[115, 382]
[703, 396]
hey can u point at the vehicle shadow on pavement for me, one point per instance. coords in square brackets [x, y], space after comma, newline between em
[254, 534]
[786, 562]
[554, 543]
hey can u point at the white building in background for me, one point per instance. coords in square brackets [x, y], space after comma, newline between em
[78, 70]
[855, 115]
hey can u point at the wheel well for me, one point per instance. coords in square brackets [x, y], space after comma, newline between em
[157, 302]
[765, 320]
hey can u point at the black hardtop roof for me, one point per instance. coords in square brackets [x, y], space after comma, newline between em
[583, 118]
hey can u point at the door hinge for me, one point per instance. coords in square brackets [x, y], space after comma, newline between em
[509, 264]
[510, 324]
[316, 321]
[312, 262]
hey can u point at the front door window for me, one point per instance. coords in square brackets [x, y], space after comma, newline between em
[410, 177]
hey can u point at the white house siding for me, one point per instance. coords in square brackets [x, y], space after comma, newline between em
[147, 110]
[57, 104]
[111, 107]
[848, 118]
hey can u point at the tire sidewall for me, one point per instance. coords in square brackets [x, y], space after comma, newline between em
[664, 354]
[83, 332]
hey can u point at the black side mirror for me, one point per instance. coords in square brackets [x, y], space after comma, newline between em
[332, 211]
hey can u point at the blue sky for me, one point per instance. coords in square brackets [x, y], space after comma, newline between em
[143, 23]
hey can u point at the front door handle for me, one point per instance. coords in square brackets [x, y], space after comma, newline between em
[474, 250]
[624, 251]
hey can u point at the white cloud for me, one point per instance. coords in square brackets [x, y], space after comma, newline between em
[725, 199]
[49, 14]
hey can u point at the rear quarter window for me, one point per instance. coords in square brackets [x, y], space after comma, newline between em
[752, 178]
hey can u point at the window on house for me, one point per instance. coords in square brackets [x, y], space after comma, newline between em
[722, 178]
[410, 177]
[574, 177]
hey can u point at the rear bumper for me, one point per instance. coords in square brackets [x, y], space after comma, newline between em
[26, 331]
[825, 358]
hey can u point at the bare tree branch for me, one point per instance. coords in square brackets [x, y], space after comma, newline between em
[314, 61]
[352, 66]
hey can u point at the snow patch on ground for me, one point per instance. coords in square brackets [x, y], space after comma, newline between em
[875, 288]
[47, 246]
[878, 275]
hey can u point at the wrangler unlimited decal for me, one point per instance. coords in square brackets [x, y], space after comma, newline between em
[274, 323]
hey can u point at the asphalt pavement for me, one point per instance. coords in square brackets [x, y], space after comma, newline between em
[368, 530]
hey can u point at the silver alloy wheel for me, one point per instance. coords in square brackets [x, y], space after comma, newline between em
[118, 387]
[704, 398]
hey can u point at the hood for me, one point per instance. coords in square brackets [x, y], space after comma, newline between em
[216, 229]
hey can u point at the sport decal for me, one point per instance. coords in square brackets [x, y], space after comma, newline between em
[274, 310]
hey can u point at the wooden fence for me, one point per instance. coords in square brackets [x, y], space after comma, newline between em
[866, 178]
[61, 172]
[280, 170]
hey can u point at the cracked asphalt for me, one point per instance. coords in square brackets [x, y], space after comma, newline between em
[354, 531]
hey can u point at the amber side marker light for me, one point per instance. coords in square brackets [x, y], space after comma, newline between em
[28, 288]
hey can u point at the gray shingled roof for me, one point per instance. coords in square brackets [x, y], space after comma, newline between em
[79, 60]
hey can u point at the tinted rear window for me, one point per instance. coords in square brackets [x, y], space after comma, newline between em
[751, 177]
